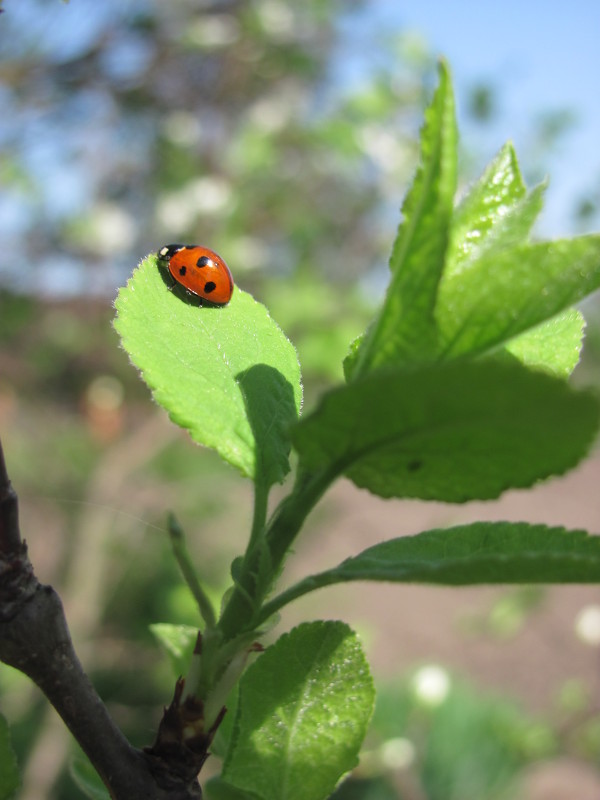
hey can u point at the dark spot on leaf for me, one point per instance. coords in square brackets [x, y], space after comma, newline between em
[203, 261]
[182, 270]
[209, 287]
[414, 465]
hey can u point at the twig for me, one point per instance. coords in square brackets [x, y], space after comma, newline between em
[10, 537]
[35, 639]
[182, 557]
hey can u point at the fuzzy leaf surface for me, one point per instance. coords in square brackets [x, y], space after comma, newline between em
[454, 432]
[303, 712]
[495, 209]
[226, 374]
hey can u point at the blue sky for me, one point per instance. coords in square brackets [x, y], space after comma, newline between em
[540, 55]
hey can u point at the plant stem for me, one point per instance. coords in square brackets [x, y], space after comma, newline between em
[240, 614]
[304, 586]
[189, 573]
[261, 497]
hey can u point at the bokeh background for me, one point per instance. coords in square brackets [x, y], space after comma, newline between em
[283, 135]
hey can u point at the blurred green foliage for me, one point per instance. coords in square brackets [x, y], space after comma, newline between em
[433, 736]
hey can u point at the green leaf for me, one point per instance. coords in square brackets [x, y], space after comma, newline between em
[87, 779]
[489, 288]
[178, 642]
[495, 209]
[227, 374]
[509, 290]
[403, 331]
[480, 553]
[553, 346]
[465, 555]
[303, 712]
[454, 432]
[10, 779]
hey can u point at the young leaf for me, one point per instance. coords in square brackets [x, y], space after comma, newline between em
[303, 712]
[467, 282]
[227, 374]
[454, 432]
[496, 208]
[10, 780]
[509, 290]
[403, 331]
[491, 226]
[480, 553]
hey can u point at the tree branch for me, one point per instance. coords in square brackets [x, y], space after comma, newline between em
[35, 639]
[10, 537]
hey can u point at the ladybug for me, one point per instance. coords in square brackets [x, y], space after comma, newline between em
[199, 270]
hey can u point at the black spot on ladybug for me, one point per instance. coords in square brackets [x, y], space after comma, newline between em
[414, 465]
[182, 270]
[203, 261]
[209, 287]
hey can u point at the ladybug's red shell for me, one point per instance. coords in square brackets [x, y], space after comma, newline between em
[199, 270]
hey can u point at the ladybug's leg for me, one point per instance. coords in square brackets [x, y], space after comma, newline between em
[193, 296]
